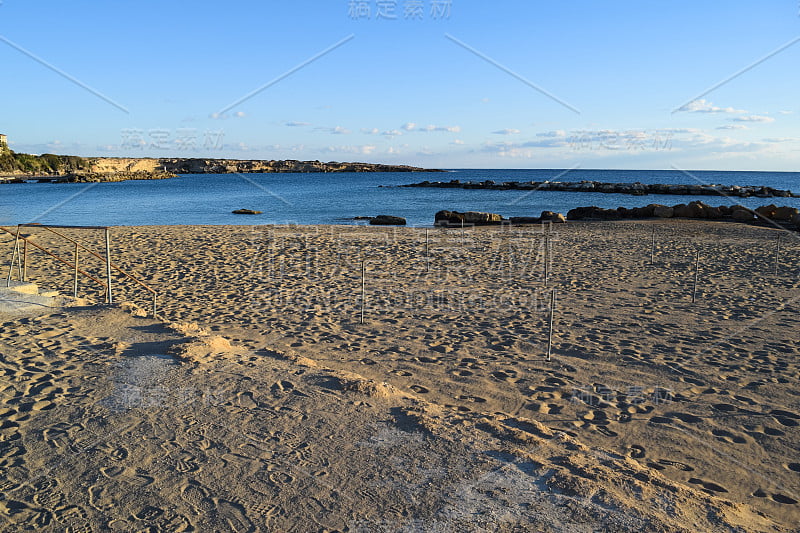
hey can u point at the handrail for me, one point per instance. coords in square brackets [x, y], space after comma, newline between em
[84, 248]
[48, 252]
[79, 245]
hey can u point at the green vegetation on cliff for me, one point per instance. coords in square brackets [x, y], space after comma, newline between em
[14, 163]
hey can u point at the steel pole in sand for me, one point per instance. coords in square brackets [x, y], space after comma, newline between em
[75, 279]
[363, 288]
[25, 260]
[546, 259]
[109, 298]
[653, 248]
[13, 258]
[427, 253]
[696, 274]
[550, 332]
[777, 253]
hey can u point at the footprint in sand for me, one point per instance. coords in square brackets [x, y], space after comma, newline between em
[198, 498]
[636, 451]
[419, 389]
[708, 486]
[98, 499]
[148, 513]
[245, 399]
[727, 436]
[676, 464]
[23, 515]
[187, 464]
[475, 399]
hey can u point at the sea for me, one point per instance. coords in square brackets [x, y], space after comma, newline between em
[338, 198]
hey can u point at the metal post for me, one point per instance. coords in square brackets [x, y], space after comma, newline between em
[363, 289]
[777, 253]
[552, 314]
[696, 274]
[155, 296]
[75, 279]
[427, 253]
[109, 297]
[653, 248]
[14, 253]
[25, 260]
[546, 259]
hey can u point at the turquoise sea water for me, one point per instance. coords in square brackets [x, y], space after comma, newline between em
[334, 198]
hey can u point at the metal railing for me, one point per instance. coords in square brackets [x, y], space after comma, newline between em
[20, 257]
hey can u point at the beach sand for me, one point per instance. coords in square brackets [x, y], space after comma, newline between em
[259, 401]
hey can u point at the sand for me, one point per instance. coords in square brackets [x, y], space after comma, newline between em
[258, 401]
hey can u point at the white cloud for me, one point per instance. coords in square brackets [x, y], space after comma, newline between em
[239, 114]
[370, 131]
[392, 133]
[457, 142]
[779, 140]
[754, 118]
[732, 127]
[451, 129]
[507, 131]
[365, 149]
[785, 112]
[552, 134]
[293, 124]
[704, 106]
[338, 130]
[408, 126]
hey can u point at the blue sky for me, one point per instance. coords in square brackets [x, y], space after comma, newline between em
[458, 84]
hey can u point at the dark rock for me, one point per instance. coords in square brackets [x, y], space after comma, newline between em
[525, 220]
[742, 214]
[387, 220]
[476, 217]
[663, 211]
[767, 211]
[785, 213]
[444, 218]
[246, 212]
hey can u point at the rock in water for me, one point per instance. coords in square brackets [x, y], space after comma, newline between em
[663, 211]
[475, 217]
[246, 212]
[556, 218]
[444, 218]
[387, 220]
[785, 213]
[525, 220]
[767, 211]
[741, 214]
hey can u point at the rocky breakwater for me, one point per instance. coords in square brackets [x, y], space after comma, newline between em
[783, 215]
[97, 177]
[477, 218]
[637, 189]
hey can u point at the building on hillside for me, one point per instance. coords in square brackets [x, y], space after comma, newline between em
[3, 144]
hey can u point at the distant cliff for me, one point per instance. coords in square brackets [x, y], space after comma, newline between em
[20, 167]
[228, 166]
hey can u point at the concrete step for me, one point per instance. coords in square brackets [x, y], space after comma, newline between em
[15, 302]
[22, 287]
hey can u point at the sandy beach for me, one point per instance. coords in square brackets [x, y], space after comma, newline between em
[259, 401]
